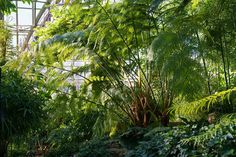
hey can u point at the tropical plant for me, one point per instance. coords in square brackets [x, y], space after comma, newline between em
[21, 107]
[176, 142]
[141, 60]
[218, 110]
[220, 103]
[108, 82]
[167, 141]
[141, 86]
[124, 41]
[5, 38]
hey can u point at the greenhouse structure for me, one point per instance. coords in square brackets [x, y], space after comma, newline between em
[26, 17]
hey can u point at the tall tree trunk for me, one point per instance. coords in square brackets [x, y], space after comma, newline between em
[224, 63]
[204, 64]
[227, 55]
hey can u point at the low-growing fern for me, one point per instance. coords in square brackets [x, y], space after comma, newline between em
[223, 130]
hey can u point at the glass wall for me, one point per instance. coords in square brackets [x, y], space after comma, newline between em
[23, 20]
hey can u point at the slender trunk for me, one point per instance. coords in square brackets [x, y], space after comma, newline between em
[227, 60]
[228, 69]
[204, 65]
[218, 75]
[224, 63]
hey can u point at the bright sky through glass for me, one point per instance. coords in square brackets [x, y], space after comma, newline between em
[24, 20]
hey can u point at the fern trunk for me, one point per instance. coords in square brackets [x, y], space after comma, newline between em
[165, 119]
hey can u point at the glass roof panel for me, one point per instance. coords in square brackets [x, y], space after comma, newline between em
[25, 17]
[26, 5]
[21, 21]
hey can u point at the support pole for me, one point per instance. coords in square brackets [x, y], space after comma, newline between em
[17, 27]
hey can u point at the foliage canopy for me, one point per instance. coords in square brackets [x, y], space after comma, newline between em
[145, 63]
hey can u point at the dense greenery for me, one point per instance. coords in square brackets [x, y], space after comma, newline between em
[20, 110]
[21, 99]
[159, 73]
[169, 141]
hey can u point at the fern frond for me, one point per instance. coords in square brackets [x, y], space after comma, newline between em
[69, 37]
[224, 129]
[222, 102]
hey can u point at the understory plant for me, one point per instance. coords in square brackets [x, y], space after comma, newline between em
[20, 109]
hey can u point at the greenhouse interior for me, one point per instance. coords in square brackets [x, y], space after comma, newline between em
[117, 78]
